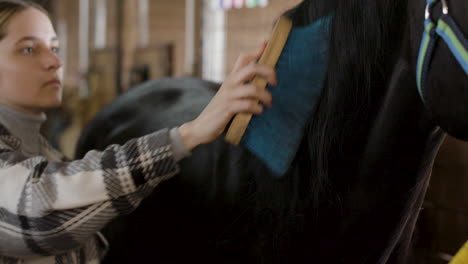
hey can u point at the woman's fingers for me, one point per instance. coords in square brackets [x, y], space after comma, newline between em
[245, 106]
[248, 72]
[236, 95]
[252, 91]
[244, 59]
[260, 50]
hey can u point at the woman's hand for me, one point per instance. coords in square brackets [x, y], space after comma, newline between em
[234, 96]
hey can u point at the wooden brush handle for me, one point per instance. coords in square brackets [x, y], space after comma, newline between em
[270, 56]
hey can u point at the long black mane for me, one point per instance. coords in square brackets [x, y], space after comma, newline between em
[362, 49]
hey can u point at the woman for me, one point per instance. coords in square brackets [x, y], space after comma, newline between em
[51, 211]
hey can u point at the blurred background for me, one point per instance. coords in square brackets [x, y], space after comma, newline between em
[109, 46]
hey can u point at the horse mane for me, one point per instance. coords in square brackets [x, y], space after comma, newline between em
[363, 44]
[365, 36]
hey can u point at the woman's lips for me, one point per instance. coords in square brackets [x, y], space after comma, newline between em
[53, 82]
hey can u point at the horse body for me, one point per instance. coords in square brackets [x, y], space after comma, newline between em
[166, 103]
[224, 206]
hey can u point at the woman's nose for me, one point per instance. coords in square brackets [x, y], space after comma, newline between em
[53, 61]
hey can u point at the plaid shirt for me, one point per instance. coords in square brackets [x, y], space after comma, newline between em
[51, 209]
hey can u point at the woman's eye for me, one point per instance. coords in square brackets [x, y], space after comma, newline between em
[28, 50]
[55, 50]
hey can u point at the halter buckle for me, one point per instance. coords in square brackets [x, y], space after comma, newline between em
[445, 9]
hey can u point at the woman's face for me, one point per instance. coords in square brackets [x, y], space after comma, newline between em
[30, 69]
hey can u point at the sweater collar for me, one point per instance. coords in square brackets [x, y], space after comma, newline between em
[24, 127]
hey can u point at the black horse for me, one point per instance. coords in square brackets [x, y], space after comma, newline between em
[355, 188]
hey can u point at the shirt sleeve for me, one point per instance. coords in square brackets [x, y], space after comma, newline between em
[47, 208]
[179, 149]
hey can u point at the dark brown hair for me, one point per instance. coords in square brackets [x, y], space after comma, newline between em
[9, 8]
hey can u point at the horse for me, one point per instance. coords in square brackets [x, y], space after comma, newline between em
[356, 185]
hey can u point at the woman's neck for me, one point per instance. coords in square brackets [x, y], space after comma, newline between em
[25, 126]
[32, 111]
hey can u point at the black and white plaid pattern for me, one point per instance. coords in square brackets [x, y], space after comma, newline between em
[51, 209]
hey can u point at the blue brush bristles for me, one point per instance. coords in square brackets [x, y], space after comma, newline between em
[275, 135]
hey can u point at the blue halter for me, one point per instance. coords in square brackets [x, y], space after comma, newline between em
[447, 29]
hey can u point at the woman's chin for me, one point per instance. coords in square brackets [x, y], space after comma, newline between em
[51, 104]
[55, 104]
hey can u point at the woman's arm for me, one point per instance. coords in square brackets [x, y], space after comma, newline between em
[47, 208]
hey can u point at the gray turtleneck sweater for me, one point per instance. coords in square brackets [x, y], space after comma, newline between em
[51, 210]
[25, 127]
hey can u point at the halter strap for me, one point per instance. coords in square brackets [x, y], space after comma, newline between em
[449, 31]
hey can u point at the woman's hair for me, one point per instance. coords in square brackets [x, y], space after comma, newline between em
[8, 8]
